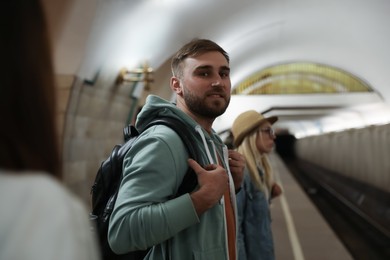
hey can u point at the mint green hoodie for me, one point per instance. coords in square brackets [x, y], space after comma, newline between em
[153, 170]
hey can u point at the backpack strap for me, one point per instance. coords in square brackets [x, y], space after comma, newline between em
[190, 180]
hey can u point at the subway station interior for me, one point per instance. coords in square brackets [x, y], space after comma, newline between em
[322, 67]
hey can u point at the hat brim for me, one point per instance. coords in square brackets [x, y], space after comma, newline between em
[239, 139]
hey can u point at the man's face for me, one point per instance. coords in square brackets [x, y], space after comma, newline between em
[206, 84]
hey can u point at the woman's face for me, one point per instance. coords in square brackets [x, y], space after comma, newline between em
[265, 138]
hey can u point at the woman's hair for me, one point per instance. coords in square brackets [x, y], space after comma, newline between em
[248, 149]
[28, 136]
[192, 49]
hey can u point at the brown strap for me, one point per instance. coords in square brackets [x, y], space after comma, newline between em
[231, 226]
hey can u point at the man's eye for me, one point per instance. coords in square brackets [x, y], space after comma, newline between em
[204, 74]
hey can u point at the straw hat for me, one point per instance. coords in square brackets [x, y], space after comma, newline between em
[246, 122]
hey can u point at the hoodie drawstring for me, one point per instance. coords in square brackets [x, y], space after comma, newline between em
[200, 132]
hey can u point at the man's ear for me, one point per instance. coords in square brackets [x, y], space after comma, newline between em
[175, 85]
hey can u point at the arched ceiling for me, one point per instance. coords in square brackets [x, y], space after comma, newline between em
[352, 35]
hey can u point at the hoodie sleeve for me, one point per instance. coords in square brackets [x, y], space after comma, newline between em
[143, 214]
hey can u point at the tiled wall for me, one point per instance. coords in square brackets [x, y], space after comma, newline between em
[90, 118]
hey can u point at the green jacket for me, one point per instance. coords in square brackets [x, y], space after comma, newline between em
[153, 169]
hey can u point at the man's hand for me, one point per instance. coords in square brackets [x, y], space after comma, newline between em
[237, 166]
[213, 182]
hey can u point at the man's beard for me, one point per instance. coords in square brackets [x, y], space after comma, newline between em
[199, 106]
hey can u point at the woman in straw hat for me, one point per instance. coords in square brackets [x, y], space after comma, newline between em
[254, 139]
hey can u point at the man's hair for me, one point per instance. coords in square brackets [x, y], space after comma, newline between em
[192, 49]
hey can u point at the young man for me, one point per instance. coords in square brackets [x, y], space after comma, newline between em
[200, 224]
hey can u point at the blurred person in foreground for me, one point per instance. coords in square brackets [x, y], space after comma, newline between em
[254, 137]
[39, 218]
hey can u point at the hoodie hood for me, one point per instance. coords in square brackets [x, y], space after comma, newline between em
[158, 107]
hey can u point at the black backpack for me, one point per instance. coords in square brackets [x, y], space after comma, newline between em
[108, 178]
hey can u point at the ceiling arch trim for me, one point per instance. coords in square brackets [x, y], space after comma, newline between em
[301, 78]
